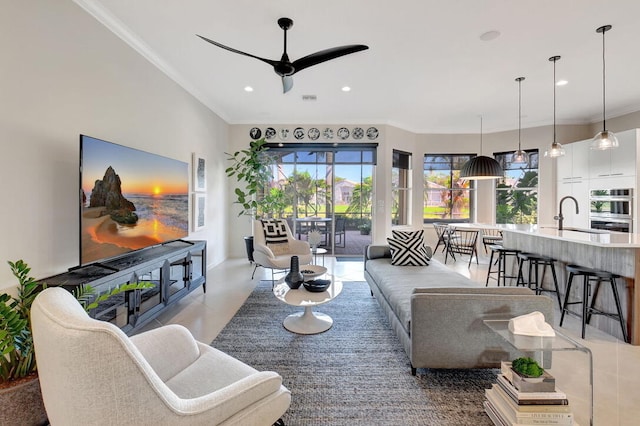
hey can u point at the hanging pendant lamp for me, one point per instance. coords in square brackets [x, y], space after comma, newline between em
[519, 157]
[556, 149]
[605, 139]
[481, 167]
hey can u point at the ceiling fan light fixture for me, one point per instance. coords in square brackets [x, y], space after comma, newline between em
[604, 139]
[285, 68]
[481, 167]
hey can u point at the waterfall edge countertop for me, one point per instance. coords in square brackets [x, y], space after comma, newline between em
[585, 236]
[616, 252]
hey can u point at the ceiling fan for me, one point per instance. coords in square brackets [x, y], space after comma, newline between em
[284, 67]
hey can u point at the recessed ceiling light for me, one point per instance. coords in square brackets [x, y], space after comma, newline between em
[248, 89]
[562, 83]
[490, 35]
[346, 89]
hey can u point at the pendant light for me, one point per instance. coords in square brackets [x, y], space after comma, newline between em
[556, 149]
[605, 139]
[519, 157]
[481, 167]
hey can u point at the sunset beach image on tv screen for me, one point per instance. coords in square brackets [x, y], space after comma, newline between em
[130, 199]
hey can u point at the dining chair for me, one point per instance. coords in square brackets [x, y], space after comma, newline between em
[491, 236]
[442, 231]
[463, 241]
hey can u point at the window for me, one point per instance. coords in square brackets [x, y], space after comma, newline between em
[447, 198]
[517, 192]
[401, 188]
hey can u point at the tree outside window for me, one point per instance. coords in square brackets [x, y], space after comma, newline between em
[447, 197]
[517, 192]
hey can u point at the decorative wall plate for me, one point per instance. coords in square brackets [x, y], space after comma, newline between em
[270, 133]
[313, 133]
[343, 133]
[298, 133]
[283, 134]
[255, 133]
[357, 133]
[372, 133]
[327, 133]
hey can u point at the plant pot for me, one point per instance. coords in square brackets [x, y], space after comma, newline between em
[22, 404]
[248, 242]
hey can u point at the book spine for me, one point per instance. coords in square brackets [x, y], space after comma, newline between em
[525, 418]
[532, 398]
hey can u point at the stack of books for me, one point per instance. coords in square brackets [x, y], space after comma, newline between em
[514, 402]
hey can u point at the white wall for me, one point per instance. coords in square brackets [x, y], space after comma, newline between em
[63, 74]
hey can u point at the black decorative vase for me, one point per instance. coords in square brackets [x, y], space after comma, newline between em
[294, 278]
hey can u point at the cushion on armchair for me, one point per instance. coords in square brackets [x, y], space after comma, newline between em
[275, 235]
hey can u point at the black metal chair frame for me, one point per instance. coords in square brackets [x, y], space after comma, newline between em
[588, 309]
[501, 262]
[491, 236]
[462, 241]
[534, 280]
[443, 232]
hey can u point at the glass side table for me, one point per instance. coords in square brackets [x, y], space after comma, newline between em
[572, 365]
[318, 251]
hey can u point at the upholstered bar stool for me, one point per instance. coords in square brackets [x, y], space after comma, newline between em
[534, 281]
[589, 276]
[501, 261]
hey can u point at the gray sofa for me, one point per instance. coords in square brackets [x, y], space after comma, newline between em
[438, 314]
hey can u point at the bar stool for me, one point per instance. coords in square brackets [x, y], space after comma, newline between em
[590, 275]
[501, 273]
[534, 262]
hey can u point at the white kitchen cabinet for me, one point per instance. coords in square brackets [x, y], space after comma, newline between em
[579, 189]
[575, 163]
[620, 161]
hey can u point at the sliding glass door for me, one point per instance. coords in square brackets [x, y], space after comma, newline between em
[328, 192]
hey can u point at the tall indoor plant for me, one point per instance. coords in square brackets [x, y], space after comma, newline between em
[252, 170]
[20, 396]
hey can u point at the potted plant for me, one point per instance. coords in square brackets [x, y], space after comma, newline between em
[365, 228]
[19, 386]
[20, 396]
[251, 169]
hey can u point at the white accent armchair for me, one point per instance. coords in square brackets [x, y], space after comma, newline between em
[265, 255]
[91, 373]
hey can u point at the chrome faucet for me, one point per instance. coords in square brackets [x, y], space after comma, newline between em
[560, 217]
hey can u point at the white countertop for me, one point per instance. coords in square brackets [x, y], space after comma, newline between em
[586, 236]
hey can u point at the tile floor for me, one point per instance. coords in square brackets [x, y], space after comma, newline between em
[616, 364]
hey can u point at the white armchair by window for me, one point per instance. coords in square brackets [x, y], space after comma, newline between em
[274, 244]
[91, 373]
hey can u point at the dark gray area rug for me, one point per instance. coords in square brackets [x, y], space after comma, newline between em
[356, 373]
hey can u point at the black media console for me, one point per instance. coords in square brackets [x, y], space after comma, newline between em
[175, 268]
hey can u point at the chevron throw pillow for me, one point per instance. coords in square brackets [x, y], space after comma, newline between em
[408, 253]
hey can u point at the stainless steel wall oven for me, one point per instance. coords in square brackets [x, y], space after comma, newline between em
[611, 209]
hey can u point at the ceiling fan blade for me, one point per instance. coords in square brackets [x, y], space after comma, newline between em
[231, 49]
[287, 83]
[326, 55]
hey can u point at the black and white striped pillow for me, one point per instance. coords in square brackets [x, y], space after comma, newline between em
[412, 235]
[408, 252]
[408, 235]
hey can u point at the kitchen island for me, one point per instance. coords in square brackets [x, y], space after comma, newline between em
[614, 252]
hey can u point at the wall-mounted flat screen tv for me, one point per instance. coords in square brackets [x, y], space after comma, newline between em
[129, 199]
